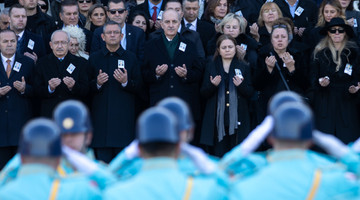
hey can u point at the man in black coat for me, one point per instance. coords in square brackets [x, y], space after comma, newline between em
[29, 44]
[115, 82]
[134, 37]
[38, 22]
[304, 15]
[191, 21]
[60, 75]
[171, 66]
[15, 91]
[69, 15]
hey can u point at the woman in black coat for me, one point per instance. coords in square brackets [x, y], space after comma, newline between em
[227, 88]
[290, 61]
[335, 79]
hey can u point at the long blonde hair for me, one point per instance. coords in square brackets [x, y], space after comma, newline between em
[335, 57]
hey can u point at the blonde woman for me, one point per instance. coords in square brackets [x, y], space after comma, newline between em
[269, 13]
[335, 79]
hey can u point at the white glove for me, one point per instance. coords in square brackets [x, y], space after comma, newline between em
[257, 136]
[356, 146]
[132, 150]
[199, 157]
[331, 144]
[79, 161]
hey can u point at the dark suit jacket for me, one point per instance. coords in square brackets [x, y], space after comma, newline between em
[50, 67]
[249, 8]
[135, 40]
[23, 44]
[308, 17]
[15, 108]
[113, 105]
[145, 8]
[205, 30]
[170, 84]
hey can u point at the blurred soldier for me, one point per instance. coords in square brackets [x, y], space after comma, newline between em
[192, 160]
[76, 133]
[60, 75]
[304, 174]
[29, 44]
[159, 178]
[16, 73]
[40, 150]
[115, 82]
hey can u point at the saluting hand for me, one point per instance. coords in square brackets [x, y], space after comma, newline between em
[53, 83]
[4, 90]
[161, 69]
[102, 78]
[181, 71]
[20, 86]
[216, 80]
[120, 76]
[69, 82]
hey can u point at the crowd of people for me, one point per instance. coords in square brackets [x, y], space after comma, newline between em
[226, 59]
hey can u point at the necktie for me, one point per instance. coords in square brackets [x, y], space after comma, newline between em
[154, 15]
[188, 25]
[8, 68]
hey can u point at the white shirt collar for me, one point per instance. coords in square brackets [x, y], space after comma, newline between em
[4, 59]
[193, 24]
[21, 34]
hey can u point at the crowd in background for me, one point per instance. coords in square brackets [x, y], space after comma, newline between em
[224, 58]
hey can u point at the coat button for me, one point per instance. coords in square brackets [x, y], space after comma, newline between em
[6, 111]
[227, 92]
[171, 86]
[171, 76]
[172, 65]
[7, 97]
[227, 104]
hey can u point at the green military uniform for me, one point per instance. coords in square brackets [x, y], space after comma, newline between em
[37, 181]
[160, 178]
[295, 174]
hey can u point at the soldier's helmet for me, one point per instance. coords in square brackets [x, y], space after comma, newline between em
[40, 138]
[157, 124]
[293, 121]
[181, 111]
[281, 98]
[72, 117]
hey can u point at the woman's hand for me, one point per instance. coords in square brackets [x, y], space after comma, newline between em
[324, 81]
[353, 89]
[289, 61]
[270, 63]
[254, 31]
[241, 51]
[237, 80]
[215, 81]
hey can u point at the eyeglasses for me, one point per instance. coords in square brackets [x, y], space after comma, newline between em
[339, 30]
[84, 1]
[120, 11]
[42, 6]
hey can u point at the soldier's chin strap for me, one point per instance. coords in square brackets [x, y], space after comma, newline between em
[80, 161]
